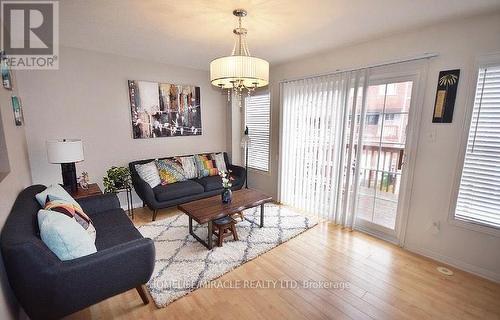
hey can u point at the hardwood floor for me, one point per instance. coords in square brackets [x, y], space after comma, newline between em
[384, 282]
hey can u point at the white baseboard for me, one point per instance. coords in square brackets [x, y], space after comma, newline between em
[484, 273]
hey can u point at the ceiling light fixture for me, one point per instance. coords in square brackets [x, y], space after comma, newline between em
[240, 71]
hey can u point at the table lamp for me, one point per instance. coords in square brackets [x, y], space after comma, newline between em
[66, 152]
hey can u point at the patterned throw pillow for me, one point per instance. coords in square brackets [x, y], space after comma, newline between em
[72, 210]
[219, 161]
[170, 171]
[206, 166]
[149, 173]
[189, 166]
[56, 199]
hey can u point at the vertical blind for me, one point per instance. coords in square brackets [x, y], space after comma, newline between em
[257, 119]
[318, 144]
[478, 198]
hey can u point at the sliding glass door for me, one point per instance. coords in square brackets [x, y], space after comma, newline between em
[383, 155]
[347, 140]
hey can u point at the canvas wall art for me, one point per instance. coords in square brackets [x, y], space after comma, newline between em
[18, 111]
[6, 75]
[164, 109]
[446, 93]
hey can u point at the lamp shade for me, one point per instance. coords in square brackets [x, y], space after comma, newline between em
[251, 71]
[65, 151]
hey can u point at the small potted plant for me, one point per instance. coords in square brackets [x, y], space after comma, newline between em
[116, 178]
[227, 194]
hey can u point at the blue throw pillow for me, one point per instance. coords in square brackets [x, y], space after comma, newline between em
[64, 236]
[54, 192]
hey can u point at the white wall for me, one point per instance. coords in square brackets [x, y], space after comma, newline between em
[458, 44]
[87, 98]
[17, 179]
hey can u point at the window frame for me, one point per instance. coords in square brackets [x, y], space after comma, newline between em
[392, 116]
[373, 119]
[388, 92]
[481, 62]
[259, 92]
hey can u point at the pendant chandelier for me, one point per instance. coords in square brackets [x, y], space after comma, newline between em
[239, 72]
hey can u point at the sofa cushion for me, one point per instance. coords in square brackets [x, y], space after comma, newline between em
[210, 183]
[113, 228]
[189, 166]
[149, 173]
[206, 166]
[107, 220]
[56, 198]
[177, 190]
[64, 236]
[219, 161]
[54, 192]
[72, 210]
[170, 171]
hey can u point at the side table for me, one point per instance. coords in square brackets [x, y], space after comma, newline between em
[130, 205]
[93, 190]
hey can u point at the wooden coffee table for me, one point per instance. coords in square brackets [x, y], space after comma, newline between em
[209, 209]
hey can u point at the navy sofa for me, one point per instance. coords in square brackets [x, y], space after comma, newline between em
[173, 194]
[48, 288]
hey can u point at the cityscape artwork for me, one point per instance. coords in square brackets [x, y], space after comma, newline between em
[164, 109]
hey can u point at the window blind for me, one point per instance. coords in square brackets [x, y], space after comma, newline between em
[257, 119]
[319, 144]
[478, 198]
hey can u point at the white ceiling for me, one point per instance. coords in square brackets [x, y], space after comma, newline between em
[193, 32]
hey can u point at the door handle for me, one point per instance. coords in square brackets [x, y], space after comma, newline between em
[402, 159]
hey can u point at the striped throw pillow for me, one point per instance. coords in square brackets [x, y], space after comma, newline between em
[189, 166]
[206, 166]
[219, 161]
[72, 210]
[149, 173]
[58, 201]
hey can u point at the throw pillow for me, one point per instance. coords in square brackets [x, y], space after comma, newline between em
[53, 192]
[170, 171]
[206, 166]
[72, 210]
[57, 199]
[189, 166]
[149, 173]
[64, 236]
[219, 161]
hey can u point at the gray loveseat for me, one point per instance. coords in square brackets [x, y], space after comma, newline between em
[48, 288]
[173, 194]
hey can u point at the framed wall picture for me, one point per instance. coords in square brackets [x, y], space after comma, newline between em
[18, 110]
[164, 109]
[6, 75]
[446, 94]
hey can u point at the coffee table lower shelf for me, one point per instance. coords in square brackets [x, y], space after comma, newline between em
[209, 243]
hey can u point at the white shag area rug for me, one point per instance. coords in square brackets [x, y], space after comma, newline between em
[183, 264]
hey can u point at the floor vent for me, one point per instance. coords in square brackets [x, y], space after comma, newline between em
[445, 271]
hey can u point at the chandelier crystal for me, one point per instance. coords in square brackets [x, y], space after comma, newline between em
[240, 71]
